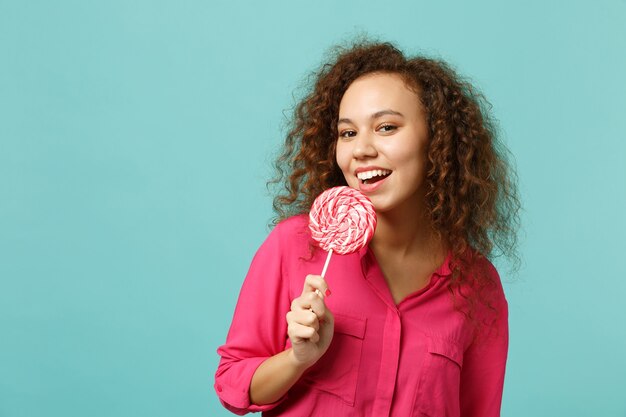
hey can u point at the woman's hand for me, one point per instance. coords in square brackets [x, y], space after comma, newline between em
[310, 325]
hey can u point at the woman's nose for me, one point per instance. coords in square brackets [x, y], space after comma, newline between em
[364, 146]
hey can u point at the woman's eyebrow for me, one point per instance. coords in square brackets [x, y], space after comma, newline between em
[375, 115]
[386, 112]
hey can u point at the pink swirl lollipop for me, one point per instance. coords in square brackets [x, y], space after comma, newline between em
[342, 220]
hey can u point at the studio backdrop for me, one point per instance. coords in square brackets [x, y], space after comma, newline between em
[136, 140]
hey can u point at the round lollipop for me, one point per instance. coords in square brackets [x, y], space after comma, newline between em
[342, 220]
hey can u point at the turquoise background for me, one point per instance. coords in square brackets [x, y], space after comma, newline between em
[136, 138]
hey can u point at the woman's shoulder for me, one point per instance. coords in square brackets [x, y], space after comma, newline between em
[480, 263]
[293, 224]
[293, 227]
[292, 232]
[484, 276]
[483, 293]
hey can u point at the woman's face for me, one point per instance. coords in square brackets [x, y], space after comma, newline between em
[382, 138]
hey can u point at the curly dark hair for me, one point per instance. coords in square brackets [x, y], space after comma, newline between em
[472, 196]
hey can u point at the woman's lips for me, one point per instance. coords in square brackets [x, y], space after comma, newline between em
[370, 188]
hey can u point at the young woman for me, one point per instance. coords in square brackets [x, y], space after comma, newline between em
[415, 324]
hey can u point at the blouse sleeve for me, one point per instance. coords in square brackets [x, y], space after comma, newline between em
[484, 363]
[258, 330]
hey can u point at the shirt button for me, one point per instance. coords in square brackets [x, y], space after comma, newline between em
[219, 388]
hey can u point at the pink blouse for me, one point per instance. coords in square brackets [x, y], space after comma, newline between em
[416, 358]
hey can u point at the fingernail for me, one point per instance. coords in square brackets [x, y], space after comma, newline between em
[327, 293]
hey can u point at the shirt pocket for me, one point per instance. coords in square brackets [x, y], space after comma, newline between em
[337, 371]
[439, 387]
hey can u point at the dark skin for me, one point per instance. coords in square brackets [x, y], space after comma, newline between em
[406, 256]
[381, 124]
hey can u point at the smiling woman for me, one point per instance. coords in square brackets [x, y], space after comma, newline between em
[417, 324]
[381, 120]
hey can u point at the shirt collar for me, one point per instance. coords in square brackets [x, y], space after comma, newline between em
[444, 270]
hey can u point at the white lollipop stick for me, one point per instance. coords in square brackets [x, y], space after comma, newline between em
[330, 252]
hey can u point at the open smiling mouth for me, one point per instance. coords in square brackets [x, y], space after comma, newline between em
[370, 177]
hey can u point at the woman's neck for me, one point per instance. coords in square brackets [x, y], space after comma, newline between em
[406, 250]
[406, 231]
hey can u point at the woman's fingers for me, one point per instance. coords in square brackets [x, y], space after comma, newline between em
[308, 310]
[316, 284]
[299, 333]
[309, 301]
[313, 293]
[304, 317]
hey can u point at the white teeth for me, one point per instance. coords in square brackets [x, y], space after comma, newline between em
[366, 175]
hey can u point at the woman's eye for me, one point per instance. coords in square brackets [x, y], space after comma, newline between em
[387, 128]
[347, 134]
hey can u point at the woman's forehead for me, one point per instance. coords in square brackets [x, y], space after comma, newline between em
[373, 93]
